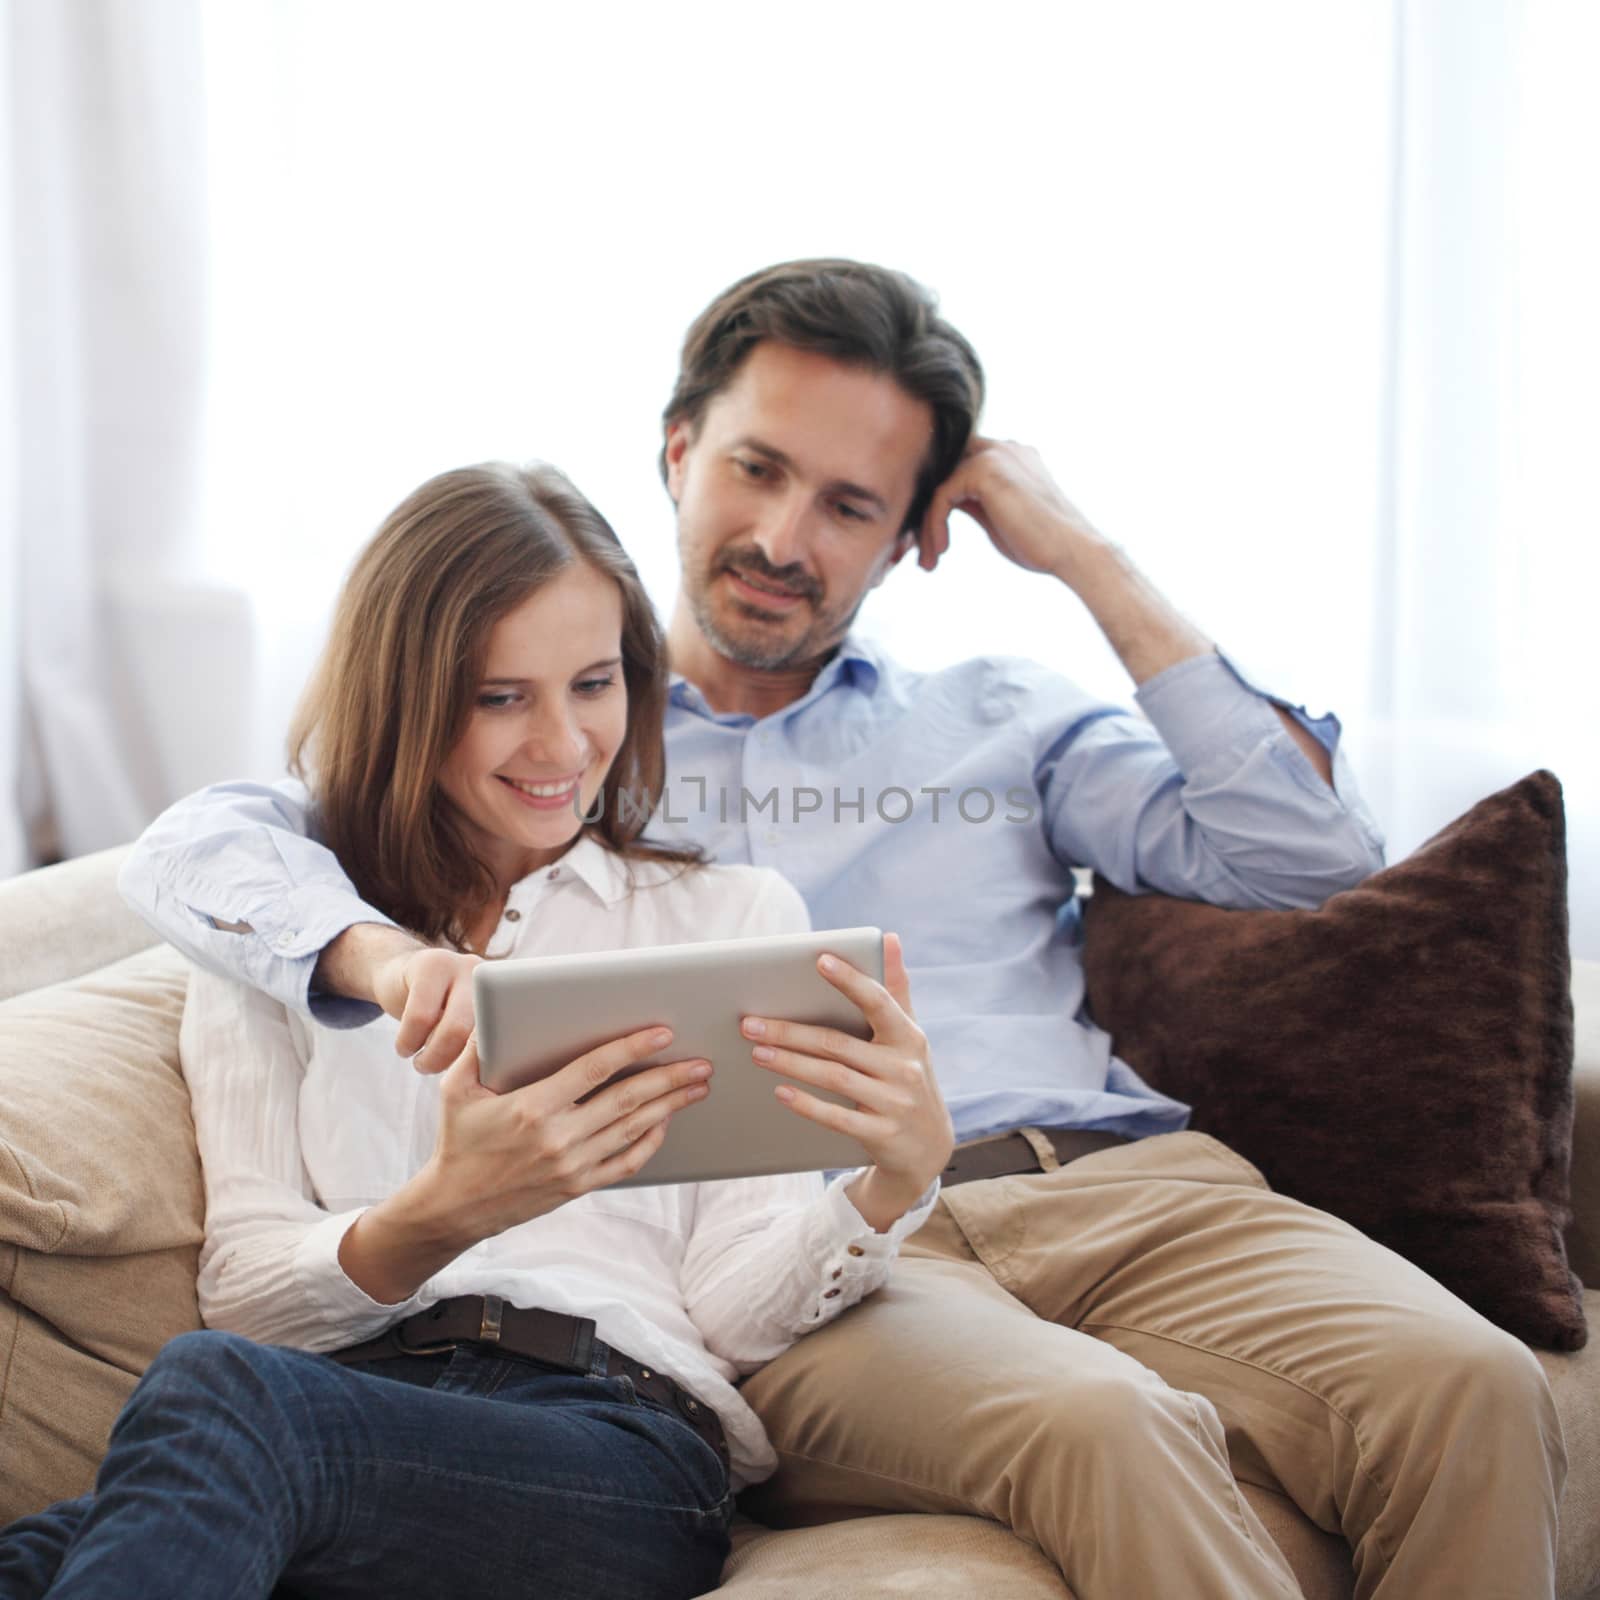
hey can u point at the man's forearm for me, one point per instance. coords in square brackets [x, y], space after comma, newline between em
[1149, 633]
[1146, 630]
[349, 965]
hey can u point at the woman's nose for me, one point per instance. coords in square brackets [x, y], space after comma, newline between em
[555, 741]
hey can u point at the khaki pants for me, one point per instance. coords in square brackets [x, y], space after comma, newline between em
[1090, 1355]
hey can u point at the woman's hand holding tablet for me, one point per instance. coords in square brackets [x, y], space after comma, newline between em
[503, 1159]
[897, 1114]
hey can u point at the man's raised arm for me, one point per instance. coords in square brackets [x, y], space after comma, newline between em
[1242, 800]
[236, 878]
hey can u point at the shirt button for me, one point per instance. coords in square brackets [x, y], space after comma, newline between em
[513, 915]
[838, 1272]
[555, 872]
[772, 835]
[856, 1250]
[831, 1294]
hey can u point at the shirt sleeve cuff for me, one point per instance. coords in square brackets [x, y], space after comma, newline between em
[288, 941]
[335, 1301]
[851, 1235]
[1207, 711]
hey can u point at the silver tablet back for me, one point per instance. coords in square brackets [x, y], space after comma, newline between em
[536, 1015]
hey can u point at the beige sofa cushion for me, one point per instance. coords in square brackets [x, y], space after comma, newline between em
[59, 922]
[1575, 1383]
[919, 1557]
[101, 1214]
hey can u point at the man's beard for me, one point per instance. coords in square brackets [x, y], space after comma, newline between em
[758, 646]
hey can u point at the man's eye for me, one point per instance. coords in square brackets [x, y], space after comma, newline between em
[751, 469]
[594, 686]
[851, 513]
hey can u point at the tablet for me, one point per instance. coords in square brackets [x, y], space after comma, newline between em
[535, 1015]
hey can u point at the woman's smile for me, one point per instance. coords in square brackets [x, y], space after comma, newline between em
[548, 796]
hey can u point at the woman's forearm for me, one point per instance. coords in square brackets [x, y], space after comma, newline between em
[392, 1249]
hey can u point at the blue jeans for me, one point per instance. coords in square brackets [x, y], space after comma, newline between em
[238, 1469]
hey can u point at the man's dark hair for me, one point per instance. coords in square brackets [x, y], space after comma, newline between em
[861, 315]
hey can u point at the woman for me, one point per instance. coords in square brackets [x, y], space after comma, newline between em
[532, 1389]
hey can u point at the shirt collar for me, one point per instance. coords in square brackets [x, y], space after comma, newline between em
[857, 662]
[860, 661]
[603, 872]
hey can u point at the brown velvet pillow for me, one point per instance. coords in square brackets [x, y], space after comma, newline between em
[1401, 1057]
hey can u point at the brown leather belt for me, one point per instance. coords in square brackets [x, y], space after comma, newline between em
[546, 1338]
[1012, 1153]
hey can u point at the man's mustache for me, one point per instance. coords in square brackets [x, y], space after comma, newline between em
[791, 579]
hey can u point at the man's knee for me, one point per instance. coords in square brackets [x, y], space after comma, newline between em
[1470, 1384]
[1130, 1404]
[1499, 1374]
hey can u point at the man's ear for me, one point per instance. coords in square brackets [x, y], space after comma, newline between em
[905, 541]
[678, 442]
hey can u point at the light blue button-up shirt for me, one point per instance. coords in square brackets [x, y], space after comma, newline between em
[949, 806]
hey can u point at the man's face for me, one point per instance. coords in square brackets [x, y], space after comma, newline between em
[791, 495]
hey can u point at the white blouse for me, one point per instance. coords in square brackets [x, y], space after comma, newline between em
[302, 1127]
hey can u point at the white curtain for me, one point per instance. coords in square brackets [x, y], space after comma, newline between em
[1488, 547]
[14, 854]
[1296, 300]
[103, 434]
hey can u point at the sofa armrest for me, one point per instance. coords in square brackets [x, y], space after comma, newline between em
[1583, 1237]
[57, 923]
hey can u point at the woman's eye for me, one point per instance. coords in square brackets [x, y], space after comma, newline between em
[497, 700]
[594, 685]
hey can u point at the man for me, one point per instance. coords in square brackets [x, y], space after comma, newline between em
[1097, 1320]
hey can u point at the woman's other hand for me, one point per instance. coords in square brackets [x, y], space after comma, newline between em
[428, 991]
[503, 1159]
[898, 1115]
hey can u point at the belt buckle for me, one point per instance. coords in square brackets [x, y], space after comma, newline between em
[438, 1347]
[489, 1324]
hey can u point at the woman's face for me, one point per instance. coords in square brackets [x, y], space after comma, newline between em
[547, 719]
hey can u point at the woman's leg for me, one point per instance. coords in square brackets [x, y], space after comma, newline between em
[31, 1549]
[235, 1466]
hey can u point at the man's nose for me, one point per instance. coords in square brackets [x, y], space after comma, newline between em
[782, 535]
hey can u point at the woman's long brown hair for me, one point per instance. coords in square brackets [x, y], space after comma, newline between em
[396, 684]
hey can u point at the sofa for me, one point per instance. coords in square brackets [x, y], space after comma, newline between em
[101, 1210]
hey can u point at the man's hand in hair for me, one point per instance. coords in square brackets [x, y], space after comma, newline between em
[1007, 490]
